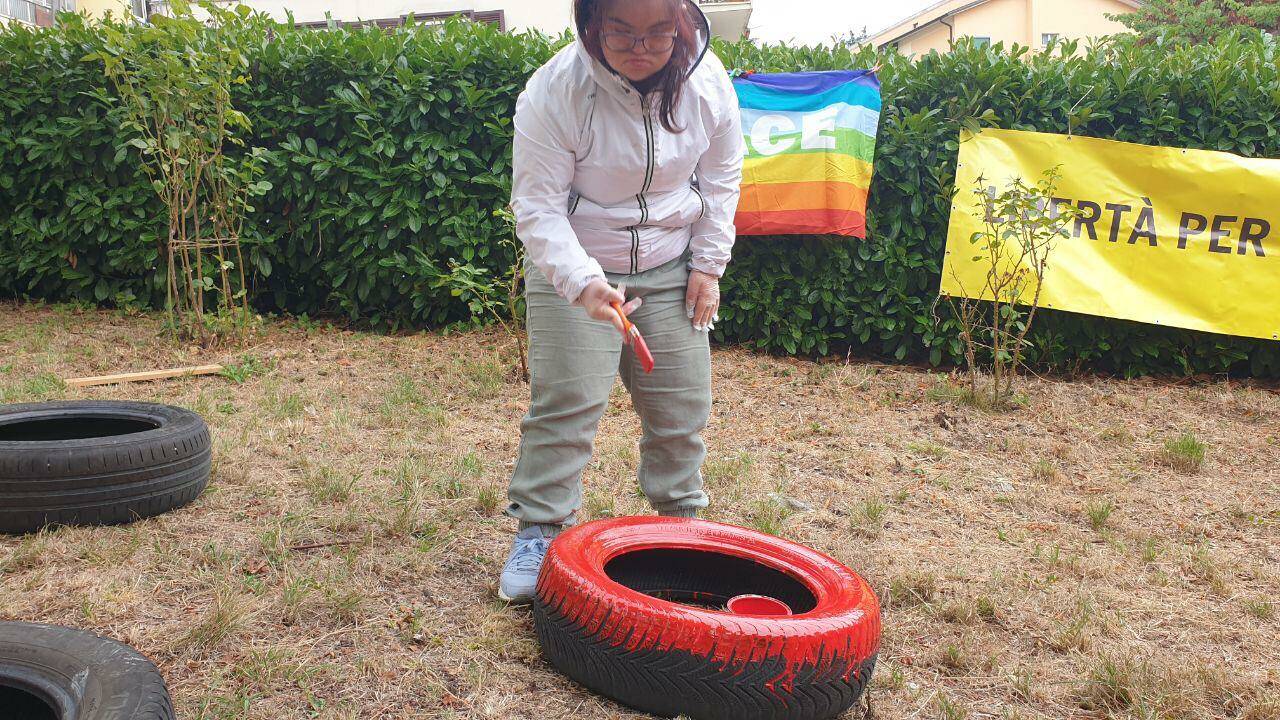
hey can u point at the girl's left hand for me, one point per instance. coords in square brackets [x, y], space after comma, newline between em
[702, 299]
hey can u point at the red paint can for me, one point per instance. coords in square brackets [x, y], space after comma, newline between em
[757, 605]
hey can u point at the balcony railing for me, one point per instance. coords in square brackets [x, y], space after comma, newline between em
[20, 10]
[34, 12]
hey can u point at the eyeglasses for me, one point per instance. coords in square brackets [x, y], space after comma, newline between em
[625, 42]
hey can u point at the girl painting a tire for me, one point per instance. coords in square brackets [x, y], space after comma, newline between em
[627, 164]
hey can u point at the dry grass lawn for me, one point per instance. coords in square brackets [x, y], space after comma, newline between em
[1073, 559]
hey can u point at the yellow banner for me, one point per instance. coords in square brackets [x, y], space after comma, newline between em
[1187, 238]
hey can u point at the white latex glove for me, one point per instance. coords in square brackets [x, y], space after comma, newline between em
[702, 299]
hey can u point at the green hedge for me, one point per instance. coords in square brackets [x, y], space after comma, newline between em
[389, 152]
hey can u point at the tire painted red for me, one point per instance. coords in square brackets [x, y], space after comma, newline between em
[603, 618]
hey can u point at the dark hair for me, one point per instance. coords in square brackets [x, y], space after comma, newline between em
[669, 81]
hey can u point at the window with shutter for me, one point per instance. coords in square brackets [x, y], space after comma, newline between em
[493, 17]
[438, 18]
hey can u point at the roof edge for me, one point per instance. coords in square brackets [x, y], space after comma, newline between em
[884, 37]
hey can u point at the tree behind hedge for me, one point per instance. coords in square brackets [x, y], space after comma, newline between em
[1200, 21]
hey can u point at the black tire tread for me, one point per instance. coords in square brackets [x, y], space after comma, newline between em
[668, 682]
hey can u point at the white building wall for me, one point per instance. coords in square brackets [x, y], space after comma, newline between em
[550, 16]
[728, 18]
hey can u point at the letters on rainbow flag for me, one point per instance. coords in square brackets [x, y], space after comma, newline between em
[810, 144]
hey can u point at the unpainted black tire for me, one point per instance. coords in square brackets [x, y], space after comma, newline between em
[49, 672]
[98, 478]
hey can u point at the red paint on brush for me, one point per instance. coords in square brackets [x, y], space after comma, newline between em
[631, 336]
[642, 351]
[841, 631]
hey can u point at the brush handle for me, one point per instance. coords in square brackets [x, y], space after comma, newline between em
[626, 323]
[631, 336]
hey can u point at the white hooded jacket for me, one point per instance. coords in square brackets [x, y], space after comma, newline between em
[600, 185]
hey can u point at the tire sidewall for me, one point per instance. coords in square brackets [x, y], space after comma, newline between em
[90, 677]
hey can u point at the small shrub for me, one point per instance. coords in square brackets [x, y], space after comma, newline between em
[872, 509]
[769, 516]
[1261, 609]
[949, 710]
[1044, 471]
[1114, 684]
[1184, 453]
[911, 589]
[726, 469]
[1099, 512]
[1012, 247]
[986, 608]
[248, 367]
[928, 449]
[487, 500]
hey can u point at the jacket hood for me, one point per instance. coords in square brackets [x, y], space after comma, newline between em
[702, 30]
[611, 80]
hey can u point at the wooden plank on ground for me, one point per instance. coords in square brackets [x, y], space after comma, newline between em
[141, 376]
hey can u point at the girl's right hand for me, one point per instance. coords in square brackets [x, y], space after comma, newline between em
[597, 297]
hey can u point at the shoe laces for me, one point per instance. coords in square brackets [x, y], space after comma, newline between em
[528, 554]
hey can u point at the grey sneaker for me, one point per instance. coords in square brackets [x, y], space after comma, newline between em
[520, 576]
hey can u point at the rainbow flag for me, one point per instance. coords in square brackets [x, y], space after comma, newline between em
[811, 138]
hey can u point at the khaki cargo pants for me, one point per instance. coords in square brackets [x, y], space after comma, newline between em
[573, 361]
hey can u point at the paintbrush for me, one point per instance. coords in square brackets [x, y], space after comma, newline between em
[631, 336]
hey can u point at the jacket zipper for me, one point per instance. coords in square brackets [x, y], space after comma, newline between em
[648, 181]
[635, 249]
[702, 199]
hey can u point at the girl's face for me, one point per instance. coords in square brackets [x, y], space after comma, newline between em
[637, 37]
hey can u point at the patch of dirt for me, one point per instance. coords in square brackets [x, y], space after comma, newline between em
[1043, 563]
